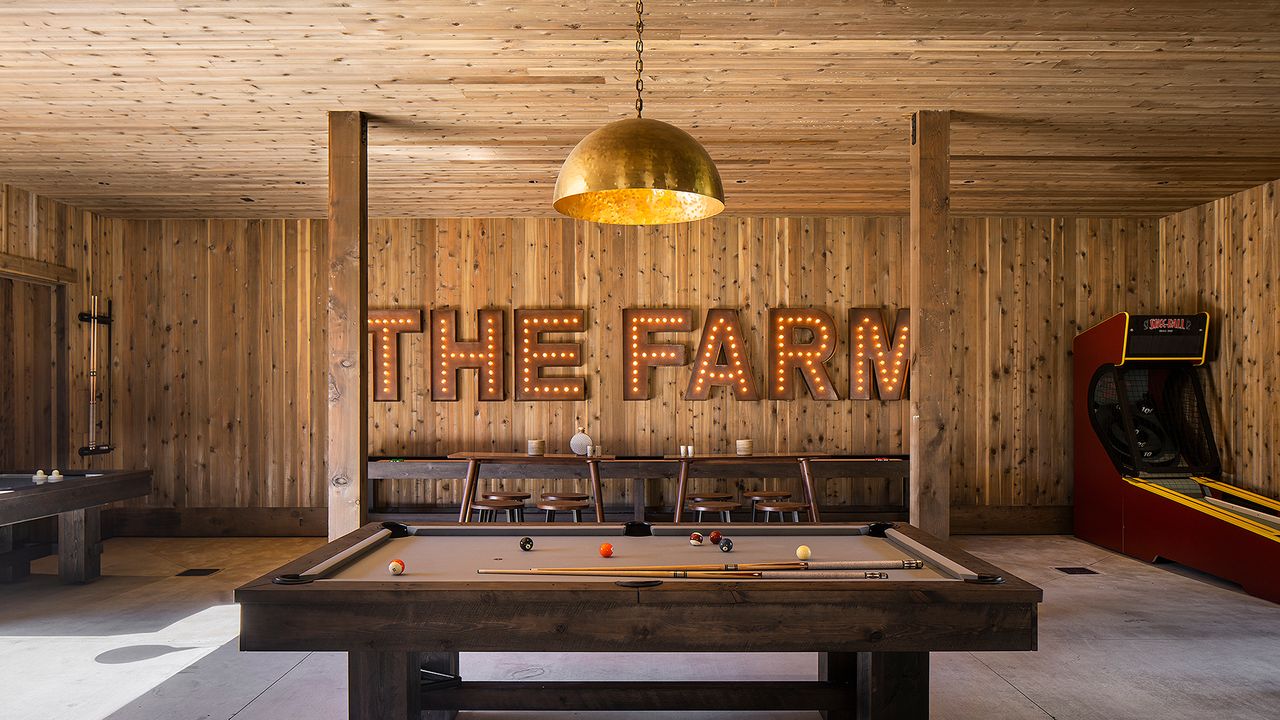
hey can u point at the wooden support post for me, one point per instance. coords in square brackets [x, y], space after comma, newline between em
[346, 438]
[933, 385]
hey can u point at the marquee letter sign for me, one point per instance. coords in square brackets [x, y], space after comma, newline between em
[722, 340]
[639, 355]
[486, 355]
[800, 342]
[386, 326]
[532, 355]
[869, 343]
[788, 355]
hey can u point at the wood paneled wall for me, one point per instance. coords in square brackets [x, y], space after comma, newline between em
[37, 228]
[1027, 285]
[1224, 258]
[220, 385]
[218, 390]
[28, 422]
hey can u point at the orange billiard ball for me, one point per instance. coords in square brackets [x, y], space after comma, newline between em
[395, 567]
[606, 550]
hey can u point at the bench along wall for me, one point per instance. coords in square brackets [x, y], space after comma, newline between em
[1222, 257]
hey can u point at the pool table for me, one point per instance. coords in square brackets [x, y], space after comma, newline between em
[872, 628]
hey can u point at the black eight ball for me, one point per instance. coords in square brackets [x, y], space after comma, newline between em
[726, 545]
[526, 543]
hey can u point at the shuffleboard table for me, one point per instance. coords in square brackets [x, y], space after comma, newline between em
[76, 499]
[873, 628]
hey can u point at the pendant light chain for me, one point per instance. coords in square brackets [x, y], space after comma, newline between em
[639, 58]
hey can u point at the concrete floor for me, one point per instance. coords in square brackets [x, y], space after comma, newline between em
[1135, 641]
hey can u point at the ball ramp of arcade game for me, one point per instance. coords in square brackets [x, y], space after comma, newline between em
[1148, 477]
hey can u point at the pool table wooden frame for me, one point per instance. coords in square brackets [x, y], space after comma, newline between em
[873, 638]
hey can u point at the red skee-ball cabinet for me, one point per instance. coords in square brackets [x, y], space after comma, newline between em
[1147, 476]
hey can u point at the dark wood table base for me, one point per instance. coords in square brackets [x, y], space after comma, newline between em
[850, 686]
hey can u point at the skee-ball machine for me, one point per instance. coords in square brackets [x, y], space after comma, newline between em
[1148, 480]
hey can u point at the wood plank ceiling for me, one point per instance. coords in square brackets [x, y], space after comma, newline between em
[217, 109]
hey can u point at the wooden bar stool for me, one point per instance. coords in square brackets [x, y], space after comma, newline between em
[764, 495]
[489, 509]
[519, 497]
[781, 507]
[724, 507]
[554, 506]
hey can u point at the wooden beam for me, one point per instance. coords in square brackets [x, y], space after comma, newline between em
[37, 271]
[346, 437]
[933, 385]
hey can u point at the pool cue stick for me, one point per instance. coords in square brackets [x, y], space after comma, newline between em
[93, 371]
[824, 575]
[695, 574]
[790, 565]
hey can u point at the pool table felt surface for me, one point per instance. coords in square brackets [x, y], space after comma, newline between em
[449, 557]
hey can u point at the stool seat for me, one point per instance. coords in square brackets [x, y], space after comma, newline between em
[554, 496]
[780, 507]
[764, 495]
[724, 507]
[489, 508]
[495, 504]
[554, 506]
[504, 495]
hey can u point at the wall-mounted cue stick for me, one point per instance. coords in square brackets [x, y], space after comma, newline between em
[789, 565]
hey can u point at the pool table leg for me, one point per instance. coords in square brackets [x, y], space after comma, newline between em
[889, 685]
[388, 685]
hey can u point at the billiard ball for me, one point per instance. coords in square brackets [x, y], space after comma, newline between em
[803, 552]
[726, 545]
[395, 567]
[714, 537]
[526, 544]
[695, 538]
[606, 550]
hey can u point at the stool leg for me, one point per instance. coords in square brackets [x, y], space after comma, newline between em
[753, 509]
[551, 516]
[728, 517]
[511, 515]
[699, 517]
[795, 516]
[577, 515]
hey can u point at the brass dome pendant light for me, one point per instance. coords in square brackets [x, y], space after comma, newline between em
[639, 171]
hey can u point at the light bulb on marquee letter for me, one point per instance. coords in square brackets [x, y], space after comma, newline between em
[385, 326]
[486, 355]
[532, 355]
[787, 355]
[890, 360]
[722, 339]
[639, 355]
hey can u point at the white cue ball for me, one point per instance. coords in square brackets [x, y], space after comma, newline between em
[803, 552]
